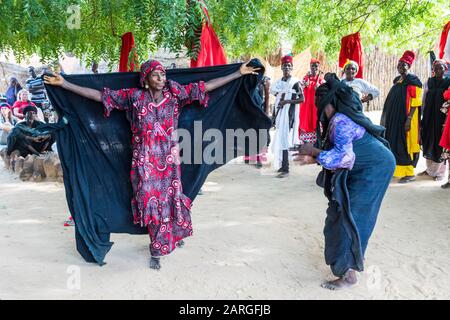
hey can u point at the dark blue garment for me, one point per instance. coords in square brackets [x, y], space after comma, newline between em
[95, 151]
[355, 198]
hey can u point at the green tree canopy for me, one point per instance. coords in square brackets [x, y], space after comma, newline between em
[246, 27]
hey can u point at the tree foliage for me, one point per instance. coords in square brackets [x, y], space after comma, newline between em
[246, 27]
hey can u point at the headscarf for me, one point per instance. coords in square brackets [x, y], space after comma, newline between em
[345, 101]
[351, 62]
[147, 67]
[441, 61]
[314, 61]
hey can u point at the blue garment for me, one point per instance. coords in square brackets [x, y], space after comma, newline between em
[343, 131]
[355, 198]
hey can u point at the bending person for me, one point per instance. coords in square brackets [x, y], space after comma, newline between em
[158, 201]
[357, 169]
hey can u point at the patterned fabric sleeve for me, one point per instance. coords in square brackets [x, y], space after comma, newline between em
[342, 155]
[186, 94]
[116, 99]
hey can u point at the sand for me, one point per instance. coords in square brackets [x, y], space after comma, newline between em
[255, 237]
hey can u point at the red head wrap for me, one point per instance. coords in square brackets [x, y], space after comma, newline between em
[148, 67]
[287, 59]
[314, 61]
[408, 57]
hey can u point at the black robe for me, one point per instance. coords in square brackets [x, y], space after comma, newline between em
[17, 138]
[394, 118]
[95, 151]
[433, 119]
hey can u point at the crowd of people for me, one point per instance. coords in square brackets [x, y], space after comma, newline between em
[23, 111]
[408, 131]
[318, 120]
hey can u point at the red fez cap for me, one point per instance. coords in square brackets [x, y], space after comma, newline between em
[314, 61]
[408, 57]
[287, 59]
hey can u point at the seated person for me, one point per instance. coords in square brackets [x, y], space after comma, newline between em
[28, 137]
[7, 122]
[23, 101]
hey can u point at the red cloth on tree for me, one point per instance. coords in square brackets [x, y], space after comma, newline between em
[352, 49]
[126, 63]
[211, 51]
[308, 110]
[444, 39]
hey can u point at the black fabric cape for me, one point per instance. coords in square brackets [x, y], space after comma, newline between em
[95, 151]
[433, 119]
[394, 118]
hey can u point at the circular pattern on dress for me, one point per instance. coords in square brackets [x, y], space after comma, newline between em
[163, 228]
[169, 159]
[170, 191]
[143, 111]
[185, 225]
[156, 245]
[176, 184]
[164, 248]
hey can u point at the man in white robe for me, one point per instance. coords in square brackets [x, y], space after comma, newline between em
[289, 94]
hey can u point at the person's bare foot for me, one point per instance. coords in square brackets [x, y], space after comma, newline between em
[348, 280]
[155, 263]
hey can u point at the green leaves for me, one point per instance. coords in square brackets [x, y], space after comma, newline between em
[245, 27]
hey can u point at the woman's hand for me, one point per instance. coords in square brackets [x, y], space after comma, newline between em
[408, 125]
[304, 160]
[306, 149]
[245, 69]
[56, 80]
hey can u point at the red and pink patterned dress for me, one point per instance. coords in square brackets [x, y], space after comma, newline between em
[158, 200]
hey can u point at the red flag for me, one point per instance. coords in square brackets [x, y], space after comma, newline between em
[444, 40]
[128, 55]
[211, 51]
[352, 49]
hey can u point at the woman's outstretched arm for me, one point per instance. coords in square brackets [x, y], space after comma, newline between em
[219, 82]
[58, 80]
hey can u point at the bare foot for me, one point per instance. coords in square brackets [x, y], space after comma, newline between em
[348, 280]
[154, 263]
[180, 244]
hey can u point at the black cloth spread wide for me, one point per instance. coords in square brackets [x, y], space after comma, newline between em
[95, 151]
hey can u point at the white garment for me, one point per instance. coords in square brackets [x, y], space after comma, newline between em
[284, 137]
[362, 87]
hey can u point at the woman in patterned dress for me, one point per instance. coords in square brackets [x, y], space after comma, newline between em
[158, 201]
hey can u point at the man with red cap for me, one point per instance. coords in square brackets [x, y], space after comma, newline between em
[401, 118]
[288, 95]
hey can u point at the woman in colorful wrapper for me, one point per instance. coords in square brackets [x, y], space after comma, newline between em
[400, 116]
[357, 168]
[308, 109]
[158, 200]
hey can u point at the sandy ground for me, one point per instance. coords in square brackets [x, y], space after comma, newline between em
[255, 237]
